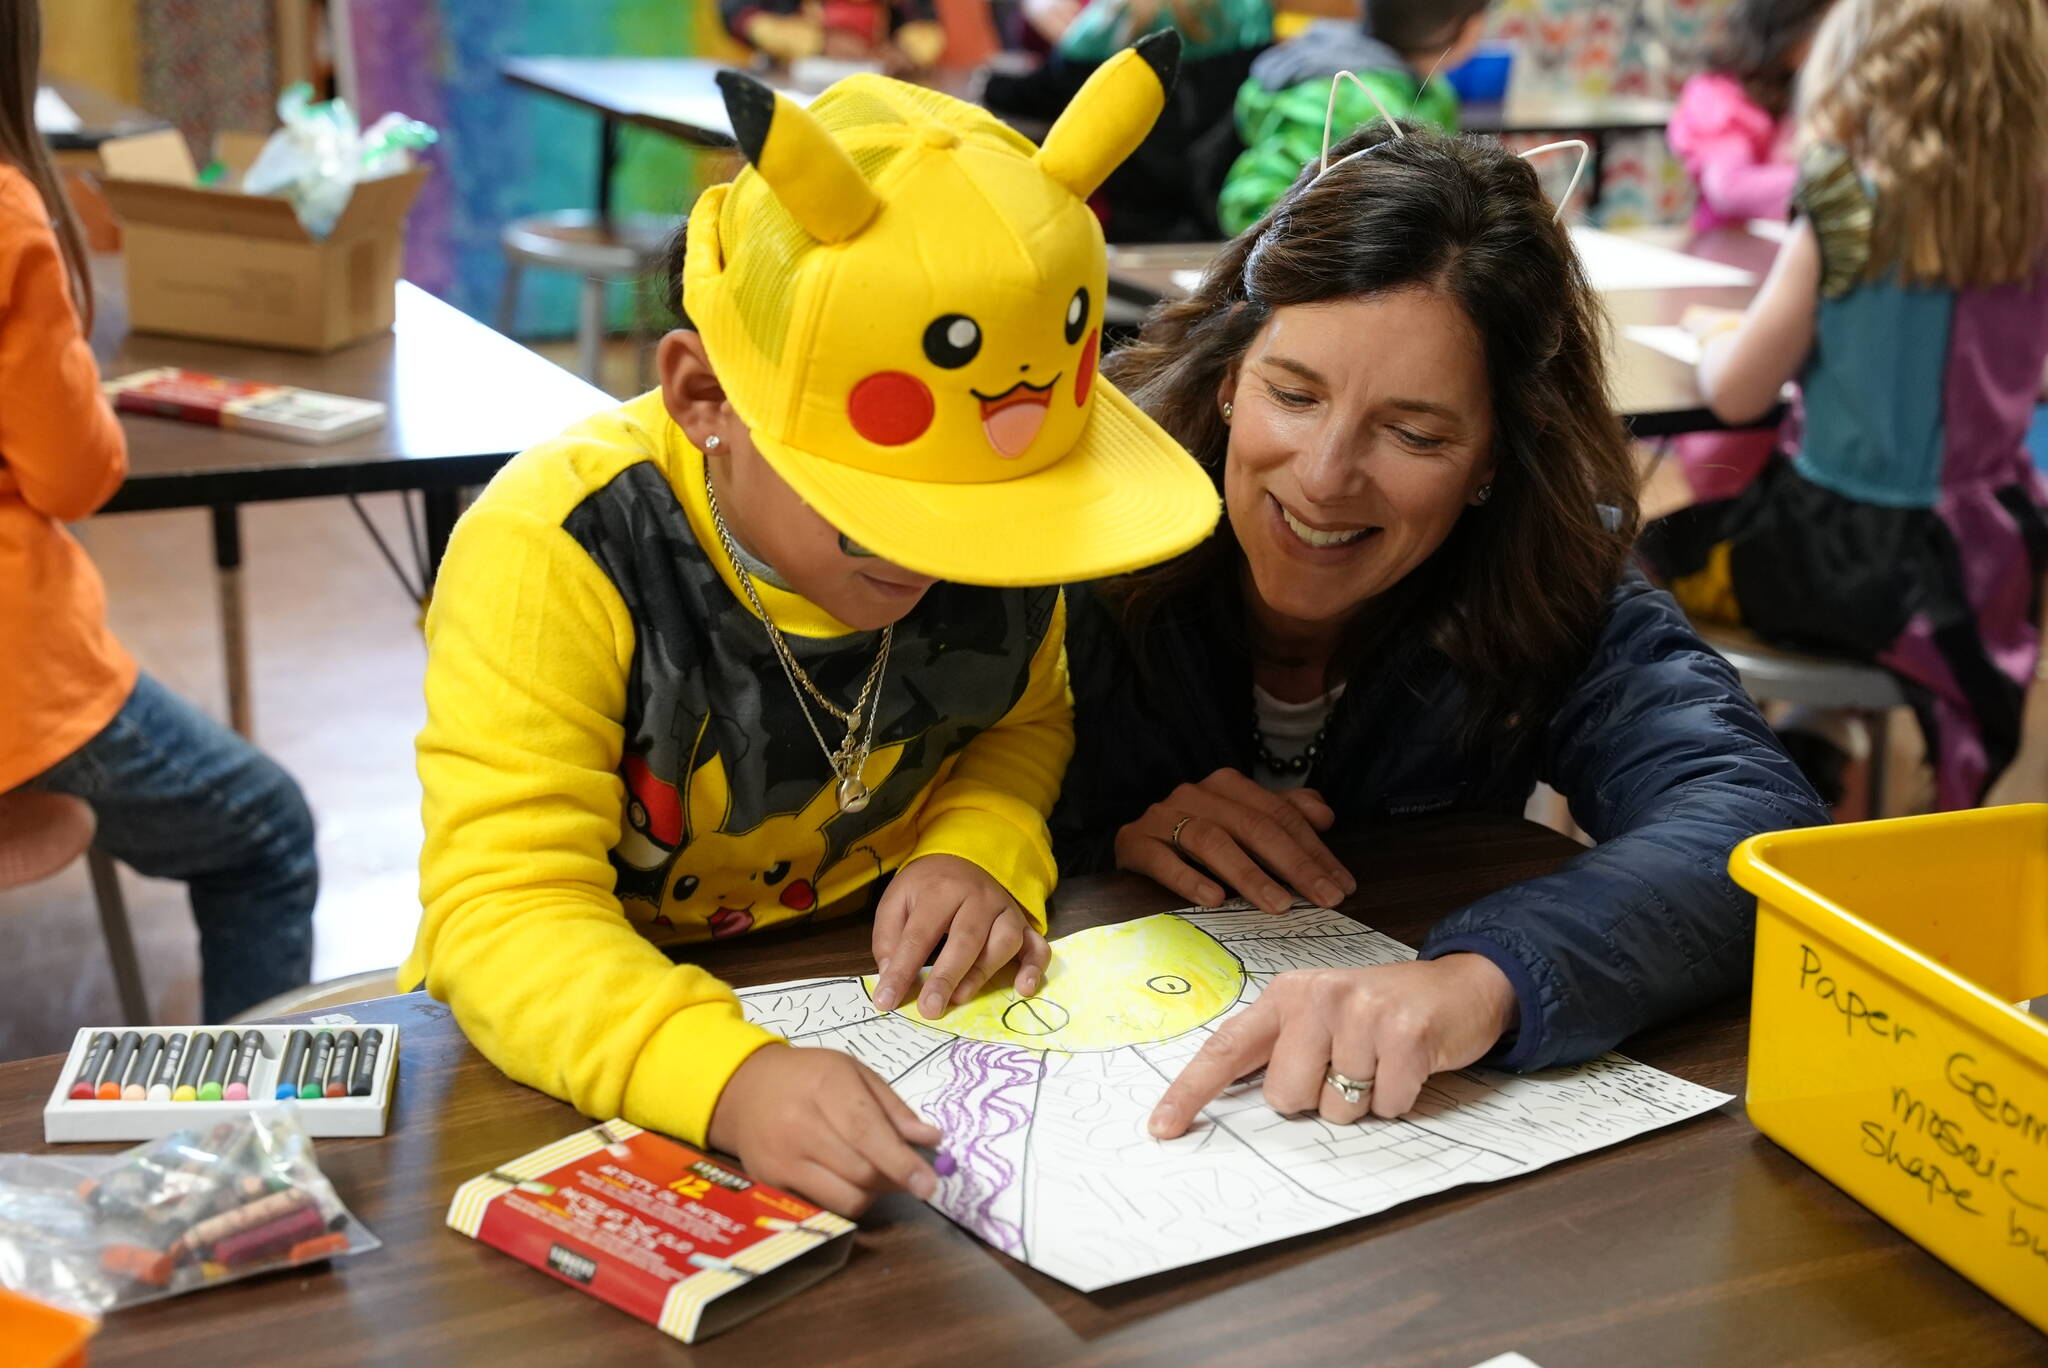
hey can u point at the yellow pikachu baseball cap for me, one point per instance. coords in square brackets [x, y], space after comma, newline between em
[902, 298]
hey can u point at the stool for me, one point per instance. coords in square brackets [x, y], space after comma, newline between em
[1773, 675]
[313, 997]
[599, 248]
[40, 834]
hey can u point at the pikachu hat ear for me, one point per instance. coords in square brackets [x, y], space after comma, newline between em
[808, 171]
[1112, 114]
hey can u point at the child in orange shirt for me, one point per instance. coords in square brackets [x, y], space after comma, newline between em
[177, 796]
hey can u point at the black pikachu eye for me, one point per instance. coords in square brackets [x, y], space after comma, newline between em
[685, 889]
[1077, 315]
[952, 341]
[777, 874]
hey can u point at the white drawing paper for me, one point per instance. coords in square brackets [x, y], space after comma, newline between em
[1614, 262]
[1674, 342]
[1043, 1100]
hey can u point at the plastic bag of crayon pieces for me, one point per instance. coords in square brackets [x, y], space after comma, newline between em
[200, 1206]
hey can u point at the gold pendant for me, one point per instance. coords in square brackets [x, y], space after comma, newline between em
[853, 794]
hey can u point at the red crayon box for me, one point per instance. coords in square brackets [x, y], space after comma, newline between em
[653, 1227]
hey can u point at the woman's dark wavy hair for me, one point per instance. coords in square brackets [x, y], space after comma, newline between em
[1515, 595]
[1755, 47]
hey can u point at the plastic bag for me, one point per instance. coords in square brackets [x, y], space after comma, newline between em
[320, 153]
[196, 1208]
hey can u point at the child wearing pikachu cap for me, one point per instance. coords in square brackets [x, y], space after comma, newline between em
[721, 658]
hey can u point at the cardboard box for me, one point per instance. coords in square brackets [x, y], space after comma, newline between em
[216, 263]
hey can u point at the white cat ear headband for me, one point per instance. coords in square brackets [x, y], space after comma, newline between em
[1330, 114]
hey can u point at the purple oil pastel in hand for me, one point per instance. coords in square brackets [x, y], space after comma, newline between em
[943, 1164]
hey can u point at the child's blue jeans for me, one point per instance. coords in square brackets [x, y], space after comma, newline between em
[178, 796]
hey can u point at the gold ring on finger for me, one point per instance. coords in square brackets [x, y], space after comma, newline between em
[1173, 839]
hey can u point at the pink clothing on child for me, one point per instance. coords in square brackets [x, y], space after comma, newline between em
[1736, 153]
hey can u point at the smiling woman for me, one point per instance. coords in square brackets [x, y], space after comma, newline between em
[1420, 602]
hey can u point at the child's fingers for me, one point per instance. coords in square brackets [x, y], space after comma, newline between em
[1005, 939]
[920, 932]
[814, 1182]
[907, 1122]
[877, 1154]
[1032, 962]
[964, 939]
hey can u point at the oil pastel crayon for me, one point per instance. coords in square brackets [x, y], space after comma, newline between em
[316, 1064]
[319, 1247]
[274, 1237]
[366, 1064]
[295, 1049]
[88, 1081]
[210, 1082]
[137, 1086]
[195, 1060]
[117, 1072]
[237, 1089]
[247, 1216]
[336, 1083]
[166, 1069]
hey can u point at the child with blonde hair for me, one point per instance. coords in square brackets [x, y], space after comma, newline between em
[1901, 521]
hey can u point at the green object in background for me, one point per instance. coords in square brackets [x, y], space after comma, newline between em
[213, 173]
[1283, 132]
[1104, 28]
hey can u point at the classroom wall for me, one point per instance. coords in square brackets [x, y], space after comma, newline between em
[1620, 47]
[506, 152]
[93, 42]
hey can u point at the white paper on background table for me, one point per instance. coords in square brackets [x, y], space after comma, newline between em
[1674, 342]
[1043, 1100]
[1615, 263]
[1186, 280]
[54, 113]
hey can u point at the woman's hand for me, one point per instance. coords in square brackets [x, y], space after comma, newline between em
[1237, 831]
[824, 1126]
[945, 897]
[1392, 1025]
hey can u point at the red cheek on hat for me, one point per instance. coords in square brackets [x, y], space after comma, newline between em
[890, 408]
[799, 896]
[1084, 378]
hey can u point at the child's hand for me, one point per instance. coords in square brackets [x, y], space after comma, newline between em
[938, 896]
[823, 1125]
[1704, 320]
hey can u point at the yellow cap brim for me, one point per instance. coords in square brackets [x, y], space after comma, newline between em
[1125, 497]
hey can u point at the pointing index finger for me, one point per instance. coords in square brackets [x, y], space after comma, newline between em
[1236, 1048]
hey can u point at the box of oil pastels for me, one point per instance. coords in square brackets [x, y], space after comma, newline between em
[138, 1084]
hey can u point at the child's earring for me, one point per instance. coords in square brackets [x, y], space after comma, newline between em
[712, 444]
[1228, 409]
[1484, 493]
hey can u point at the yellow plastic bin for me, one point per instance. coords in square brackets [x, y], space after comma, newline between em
[1885, 1046]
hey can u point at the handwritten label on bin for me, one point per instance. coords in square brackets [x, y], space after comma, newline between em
[1960, 1142]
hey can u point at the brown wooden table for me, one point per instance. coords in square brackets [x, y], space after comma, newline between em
[1658, 395]
[462, 401]
[1699, 1244]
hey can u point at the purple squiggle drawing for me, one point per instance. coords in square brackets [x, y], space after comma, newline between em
[986, 1096]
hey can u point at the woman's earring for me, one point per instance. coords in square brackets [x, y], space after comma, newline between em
[711, 444]
[1228, 409]
[1485, 491]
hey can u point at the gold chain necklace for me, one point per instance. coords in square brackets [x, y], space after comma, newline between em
[850, 758]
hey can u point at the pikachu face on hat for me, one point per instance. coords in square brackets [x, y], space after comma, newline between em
[902, 298]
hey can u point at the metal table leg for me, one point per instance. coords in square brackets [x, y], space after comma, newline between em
[234, 632]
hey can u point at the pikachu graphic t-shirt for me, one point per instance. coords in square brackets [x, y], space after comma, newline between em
[614, 762]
